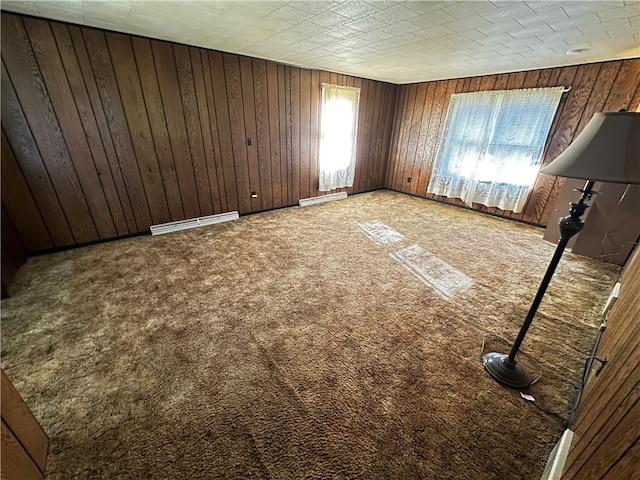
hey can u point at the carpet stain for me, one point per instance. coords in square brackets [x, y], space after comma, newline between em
[288, 345]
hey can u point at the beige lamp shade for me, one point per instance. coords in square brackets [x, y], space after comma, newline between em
[607, 150]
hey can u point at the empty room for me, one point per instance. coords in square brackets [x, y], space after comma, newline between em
[320, 239]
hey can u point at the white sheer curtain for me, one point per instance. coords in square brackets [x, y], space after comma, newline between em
[492, 146]
[338, 128]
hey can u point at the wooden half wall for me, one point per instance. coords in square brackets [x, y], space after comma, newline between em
[105, 134]
[422, 108]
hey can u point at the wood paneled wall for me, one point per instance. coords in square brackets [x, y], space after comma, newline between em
[105, 134]
[422, 108]
[606, 445]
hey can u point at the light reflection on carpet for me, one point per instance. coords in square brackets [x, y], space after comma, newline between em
[380, 233]
[434, 272]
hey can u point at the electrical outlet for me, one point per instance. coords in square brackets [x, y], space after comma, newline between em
[249, 141]
[408, 179]
[254, 195]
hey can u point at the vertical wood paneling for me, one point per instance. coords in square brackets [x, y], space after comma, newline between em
[31, 91]
[104, 134]
[102, 67]
[204, 128]
[607, 86]
[238, 136]
[210, 123]
[248, 105]
[606, 433]
[75, 146]
[12, 256]
[137, 122]
[79, 89]
[158, 125]
[263, 138]
[193, 127]
[167, 79]
[25, 216]
[220, 98]
[110, 133]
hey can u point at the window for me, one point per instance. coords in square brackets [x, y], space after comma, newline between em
[492, 146]
[338, 128]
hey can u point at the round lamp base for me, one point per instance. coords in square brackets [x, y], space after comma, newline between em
[508, 372]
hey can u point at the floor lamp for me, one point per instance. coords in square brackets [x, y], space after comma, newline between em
[607, 150]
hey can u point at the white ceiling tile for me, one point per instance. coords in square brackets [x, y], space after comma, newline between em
[329, 19]
[466, 9]
[401, 28]
[355, 9]
[343, 32]
[618, 13]
[588, 19]
[289, 14]
[439, 40]
[506, 11]
[577, 9]
[472, 21]
[313, 7]
[366, 24]
[506, 26]
[27, 7]
[434, 32]
[354, 42]
[436, 17]
[394, 14]
[550, 15]
[426, 6]
[376, 36]
[309, 28]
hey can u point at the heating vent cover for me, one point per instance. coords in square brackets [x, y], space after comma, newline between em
[192, 223]
[305, 202]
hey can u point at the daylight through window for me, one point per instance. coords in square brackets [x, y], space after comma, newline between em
[338, 129]
[492, 146]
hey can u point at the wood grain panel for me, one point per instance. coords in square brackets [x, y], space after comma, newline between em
[13, 254]
[238, 136]
[158, 125]
[16, 462]
[25, 215]
[79, 89]
[21, 145]
[113, 165]
[204, 126]
[212, 126]
[76, 146]
[263, 147]
[248, 104]
[137, 122]
[191, 121]
[116, 120]
[31, 91]
[167, 80]
[305, 132]
[23, 424]
[275, 142]
[604, 434]
[219, 87]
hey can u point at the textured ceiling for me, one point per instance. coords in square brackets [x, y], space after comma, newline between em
[399, 42]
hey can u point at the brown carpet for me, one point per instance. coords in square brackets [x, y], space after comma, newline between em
[289, 345]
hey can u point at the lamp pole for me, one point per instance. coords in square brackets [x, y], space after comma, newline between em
[505, 369]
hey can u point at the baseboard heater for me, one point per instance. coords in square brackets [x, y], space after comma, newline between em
[305, 202]
[193, 223]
